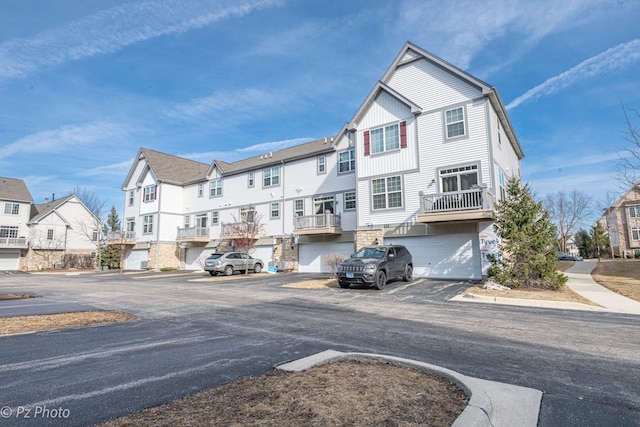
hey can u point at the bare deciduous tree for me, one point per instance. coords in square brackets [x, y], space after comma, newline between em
[243, 233]
[333, 260]
[566, 210]
[90, 200]
[628, 164]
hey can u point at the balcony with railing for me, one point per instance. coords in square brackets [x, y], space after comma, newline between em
[193, 234]
[468, 205]
[240, 230]
[326, 223]
[14, 242]
[121, 237]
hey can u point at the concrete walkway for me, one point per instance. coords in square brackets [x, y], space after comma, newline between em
[581, 282]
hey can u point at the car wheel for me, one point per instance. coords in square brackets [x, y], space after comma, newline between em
[380, 280]
[213, 273]
[228, 270]
[257, 268]
[344, 285]
[408, 273]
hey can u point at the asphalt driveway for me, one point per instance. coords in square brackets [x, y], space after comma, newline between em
[197, 333]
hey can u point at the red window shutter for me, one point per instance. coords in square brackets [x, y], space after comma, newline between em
[403, 134]
[367, 149]
[155, 192]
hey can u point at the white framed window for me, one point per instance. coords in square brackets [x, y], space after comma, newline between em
[298, 207]
[94, 235]
[215, 187]
[324, 205]
[347, 161]
[201, 220]
[384, 139]
[147, 224]
[458, 178]
[131, 197]
[8, 231]
[502, 184]
[131, 225]
[149, 193]
[387, 192]
[200, 189]
[187, 221]
[271, 176]
[50, 234]
[350, 201]
[215, 218]
[454, 120]
[635, 233]
[274, 212]
[322, 164]
[499, 131]
[248, 214]
[634, 211]
[251, 179]
[12, 209]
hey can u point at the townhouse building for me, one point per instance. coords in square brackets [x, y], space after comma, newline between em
[421, 163]
[62, 232]
[622, 222]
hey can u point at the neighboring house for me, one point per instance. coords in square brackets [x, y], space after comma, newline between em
[15, 202]
[622, 222]
[64, 233]
[572, 247]
[421, 163]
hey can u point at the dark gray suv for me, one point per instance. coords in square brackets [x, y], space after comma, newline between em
[375, 265]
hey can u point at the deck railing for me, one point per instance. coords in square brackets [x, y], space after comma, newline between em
[317, 221]
[477, 198]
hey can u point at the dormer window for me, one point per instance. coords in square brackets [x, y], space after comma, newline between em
[215, 187]
[149, 193]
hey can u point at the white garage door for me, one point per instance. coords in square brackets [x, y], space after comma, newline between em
[135, 258]
[9, 260]
[265, 253]
[453, 256]
[195, 257]
[312, 255]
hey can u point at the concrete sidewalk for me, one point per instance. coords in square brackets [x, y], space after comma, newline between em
[581, 282]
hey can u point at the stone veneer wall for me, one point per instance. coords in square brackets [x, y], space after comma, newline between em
[41, 259]
[164, 255]
[367, 237]
[290, 253]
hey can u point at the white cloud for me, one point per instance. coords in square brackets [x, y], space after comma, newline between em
[112, 29]
[240, 153]
[459, 30]
[227, 104]
[556, 163]
[65, 137]
[612, 59]
[115, 169]
[274, 145]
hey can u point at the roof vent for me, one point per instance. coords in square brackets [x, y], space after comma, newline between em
[270, 154]
[325, 139]
[331, 139]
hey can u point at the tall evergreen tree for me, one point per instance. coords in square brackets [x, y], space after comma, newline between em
[528, 248]
[113, 221]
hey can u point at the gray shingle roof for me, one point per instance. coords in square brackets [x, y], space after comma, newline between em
[174, 169]
[42, 209]
[14, 190]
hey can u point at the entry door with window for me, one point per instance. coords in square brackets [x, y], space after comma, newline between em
[459, 178]
[321, 206]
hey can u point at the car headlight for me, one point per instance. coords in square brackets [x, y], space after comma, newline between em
[370, 267]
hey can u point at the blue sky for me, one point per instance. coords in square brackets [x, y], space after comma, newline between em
[85, 84]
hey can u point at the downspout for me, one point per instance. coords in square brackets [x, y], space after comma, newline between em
[158, 228]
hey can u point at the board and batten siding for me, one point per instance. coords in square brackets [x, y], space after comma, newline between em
[430, 86]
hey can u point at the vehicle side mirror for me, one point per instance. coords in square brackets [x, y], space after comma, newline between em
[392, 256]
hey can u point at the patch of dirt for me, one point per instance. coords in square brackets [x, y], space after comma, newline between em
[5, 297]
[563, 294]
[341, 393]
[22, 324]
[564, 265]
[621, 276]
[313, 284]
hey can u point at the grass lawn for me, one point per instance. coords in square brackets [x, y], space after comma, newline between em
[22, 324]
[621, 276]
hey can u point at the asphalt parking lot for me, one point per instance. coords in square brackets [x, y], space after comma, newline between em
[196, 331]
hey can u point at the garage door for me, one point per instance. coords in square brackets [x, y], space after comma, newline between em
[312, 255]
[453, 256]
[265, 253]
[136, 258]
[195, 257]
[9, 260]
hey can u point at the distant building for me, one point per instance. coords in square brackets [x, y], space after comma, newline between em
[622, 222]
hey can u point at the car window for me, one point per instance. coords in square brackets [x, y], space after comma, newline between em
[370, 253]
[216, 256]
[233, 256]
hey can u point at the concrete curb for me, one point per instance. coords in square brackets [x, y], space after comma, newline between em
[490, 403]
[521, 302]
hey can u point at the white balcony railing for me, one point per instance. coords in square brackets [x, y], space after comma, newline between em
[193, 233]
[13, 242]
[475, 199]
[326, 220]
[121, 236]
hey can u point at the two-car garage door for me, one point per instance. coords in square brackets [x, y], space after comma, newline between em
[451, 256]
[312, 255]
